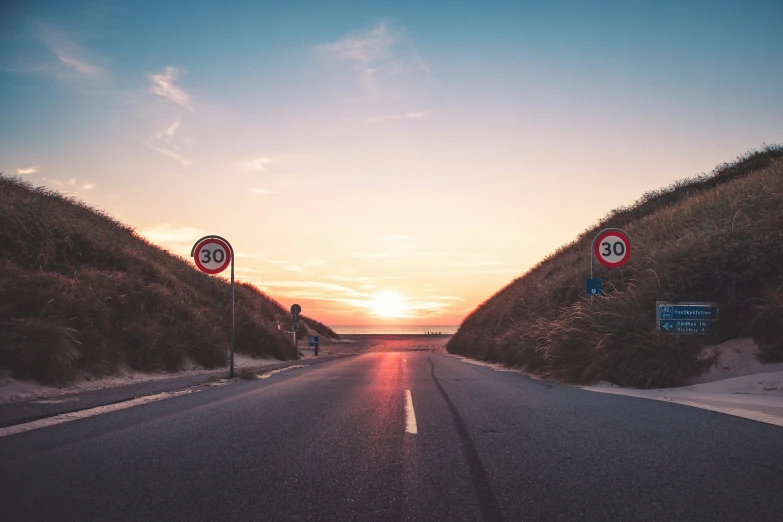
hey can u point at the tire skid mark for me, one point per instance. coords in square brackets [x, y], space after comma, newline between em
[488, 502]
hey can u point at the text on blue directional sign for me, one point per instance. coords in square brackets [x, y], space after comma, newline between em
[686, 318]
[706, 312]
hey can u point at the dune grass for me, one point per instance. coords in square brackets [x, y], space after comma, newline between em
[710, 238]
[81, 292]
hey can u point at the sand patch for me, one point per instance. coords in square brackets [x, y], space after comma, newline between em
[735, 358]
[736, 384]
[16, 390]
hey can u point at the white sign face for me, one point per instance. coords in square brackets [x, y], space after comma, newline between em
[612, 248]
[212, 256]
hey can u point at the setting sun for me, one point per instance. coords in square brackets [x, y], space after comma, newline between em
[389, 304]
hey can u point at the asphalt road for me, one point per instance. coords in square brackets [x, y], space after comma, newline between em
[329, 442]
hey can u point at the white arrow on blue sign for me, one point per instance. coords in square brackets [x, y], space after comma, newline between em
[685, 318]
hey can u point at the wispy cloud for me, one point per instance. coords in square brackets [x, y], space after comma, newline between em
[163, 142]
[74, 61]
[350, 279]
[184, 161]
[81, 67]
[22, 171]
[168, 133]
[376, 55]
[70, 186]
[244, 269]
[318, 291]
[402, 116]
[360, 279]
[164, 84]
[298, 267]
[366, 47]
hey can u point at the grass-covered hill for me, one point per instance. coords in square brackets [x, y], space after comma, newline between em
[82, 293]
[716, 237]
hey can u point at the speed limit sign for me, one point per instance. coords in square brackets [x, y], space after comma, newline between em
[612, 247]
[212, 255]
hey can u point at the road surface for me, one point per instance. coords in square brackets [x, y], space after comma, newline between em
[396, 435]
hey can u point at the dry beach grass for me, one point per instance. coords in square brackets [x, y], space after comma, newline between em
[82, 293]
[712, 238]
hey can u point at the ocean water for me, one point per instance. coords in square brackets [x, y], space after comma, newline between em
[395, 329]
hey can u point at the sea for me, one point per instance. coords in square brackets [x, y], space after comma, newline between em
[398, 329]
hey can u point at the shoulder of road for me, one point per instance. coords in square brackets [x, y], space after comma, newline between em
[19, 412]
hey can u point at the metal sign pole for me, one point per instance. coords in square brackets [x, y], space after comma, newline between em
[295, 311]
[216, 270]
[592, 264]
[231, 356]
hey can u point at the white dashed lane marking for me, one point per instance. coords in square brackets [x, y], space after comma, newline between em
[410, 415]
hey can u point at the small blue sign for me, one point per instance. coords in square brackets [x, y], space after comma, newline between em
[686, 318]
[313, 340]
[593, 286]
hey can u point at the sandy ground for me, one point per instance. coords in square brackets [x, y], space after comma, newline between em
[16, 390]
[737, 384]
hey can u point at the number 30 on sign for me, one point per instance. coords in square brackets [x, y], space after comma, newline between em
[212, 255]
[612, 248]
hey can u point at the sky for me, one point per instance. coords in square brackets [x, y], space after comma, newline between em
[380, 163]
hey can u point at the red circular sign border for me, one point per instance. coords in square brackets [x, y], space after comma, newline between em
[625, 239]
[201, 245]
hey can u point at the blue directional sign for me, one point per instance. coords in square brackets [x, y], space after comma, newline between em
[686, 318]
[593, 286]
[313, 340]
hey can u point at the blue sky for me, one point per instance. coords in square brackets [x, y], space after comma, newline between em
[435, 150]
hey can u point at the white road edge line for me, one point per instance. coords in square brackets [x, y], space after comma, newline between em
[410, 415]
[285, 369]
[83, 414]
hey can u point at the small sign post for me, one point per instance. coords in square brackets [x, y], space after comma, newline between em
[612, 248]
[685, 318]
[314, 343]
[295, 311]
[212, 255]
